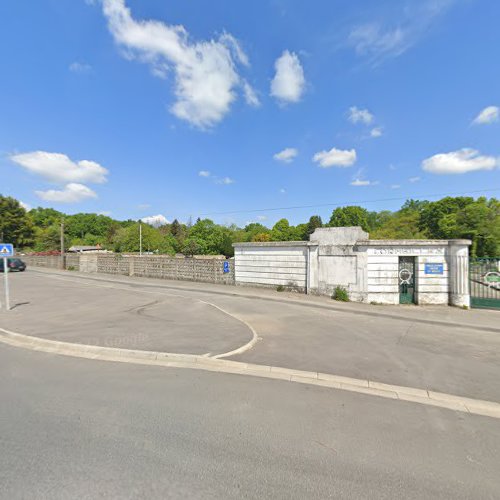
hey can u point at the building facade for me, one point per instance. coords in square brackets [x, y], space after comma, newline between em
[374, 271]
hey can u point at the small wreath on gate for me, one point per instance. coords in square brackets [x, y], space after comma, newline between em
[405, 276]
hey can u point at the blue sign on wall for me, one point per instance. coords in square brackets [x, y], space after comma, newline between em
[226, 267]
[434, 268]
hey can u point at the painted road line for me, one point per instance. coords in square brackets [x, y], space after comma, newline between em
[394, 392]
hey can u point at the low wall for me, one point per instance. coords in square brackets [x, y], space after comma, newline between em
[71, 261]
[150, 266]
[160, 266]
[281, 263]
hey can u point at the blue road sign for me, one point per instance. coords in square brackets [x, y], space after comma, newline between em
[226, 267]
[434, 269]
[6, 250]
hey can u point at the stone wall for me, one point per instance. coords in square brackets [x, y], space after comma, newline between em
[151, 266]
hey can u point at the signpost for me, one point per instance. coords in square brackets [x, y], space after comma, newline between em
[6, 251]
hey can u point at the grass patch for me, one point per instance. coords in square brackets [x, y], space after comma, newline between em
[340, 294]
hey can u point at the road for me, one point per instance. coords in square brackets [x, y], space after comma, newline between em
[148, 314]
[74, 428]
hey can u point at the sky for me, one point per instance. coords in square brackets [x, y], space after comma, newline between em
[238, 111]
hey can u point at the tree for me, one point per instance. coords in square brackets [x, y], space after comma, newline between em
[253, 229]
[314, 223]
[262, 237]
[350, 216]
[45, 217]
[282, 231]
[211, 239]
[47, 238]
[127, 240]
[432, 213]
[402, 225]
[15, 224]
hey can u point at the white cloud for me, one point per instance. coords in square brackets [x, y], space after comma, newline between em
[71, 193]
[143, 206]
[57, 167]
[155, 220]
[414, 179]
[395, 186]
[376, 132]
[204, 173]
[225, 180]
[288, 83]
[26, 206]
[459, 162]
[107, 213]
[261, 217]
[360, 182]
[335, 158]
[487, 115]
[401, 29]
[251, 97]
[357, 115]
[81, 68]
[287, 155]
[282, 190]
[206, 76]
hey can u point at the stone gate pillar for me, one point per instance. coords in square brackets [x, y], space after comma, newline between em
[458, 263]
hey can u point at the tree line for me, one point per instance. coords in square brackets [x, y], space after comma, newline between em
[38, 229]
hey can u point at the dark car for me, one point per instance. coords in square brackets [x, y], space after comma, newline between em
[14, 264]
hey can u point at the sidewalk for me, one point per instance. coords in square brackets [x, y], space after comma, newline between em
[476, 319]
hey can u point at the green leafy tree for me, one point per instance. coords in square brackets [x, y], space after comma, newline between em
[45, 217]
[314, 223]
[16, 226]
[211, 238]
[47, 238]
[402, 225]
[282, 231]
[350, 216]
[127, 240]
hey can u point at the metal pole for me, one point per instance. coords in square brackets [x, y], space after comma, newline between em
[6, 283]
[62, 245]
[140, 238]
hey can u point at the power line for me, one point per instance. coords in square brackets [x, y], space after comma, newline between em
[340, 204]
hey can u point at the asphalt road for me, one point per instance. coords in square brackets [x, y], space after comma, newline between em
[136, 315]
[74, 428]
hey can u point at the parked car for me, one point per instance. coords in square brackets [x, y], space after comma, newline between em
[14, 264]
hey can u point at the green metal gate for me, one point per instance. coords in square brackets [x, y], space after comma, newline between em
[406, 276]
[485, 282]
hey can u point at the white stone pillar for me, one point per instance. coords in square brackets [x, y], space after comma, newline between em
[458, 263]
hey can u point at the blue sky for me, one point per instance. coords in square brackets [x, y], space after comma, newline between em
[187, 107]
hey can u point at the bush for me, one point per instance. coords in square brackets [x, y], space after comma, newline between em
[280, 288]
[340, 294]
[71, 268]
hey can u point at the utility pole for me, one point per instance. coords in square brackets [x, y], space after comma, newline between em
[140, 237]
[62, 245]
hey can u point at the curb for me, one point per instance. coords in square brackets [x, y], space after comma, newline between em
[448, 324]
[171, 360]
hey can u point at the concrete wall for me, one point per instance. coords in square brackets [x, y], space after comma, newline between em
[71, 261]
[367, 269]
[338, 262]
[450, 287]
[152, 266]
[383, 269]
[272, 264]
